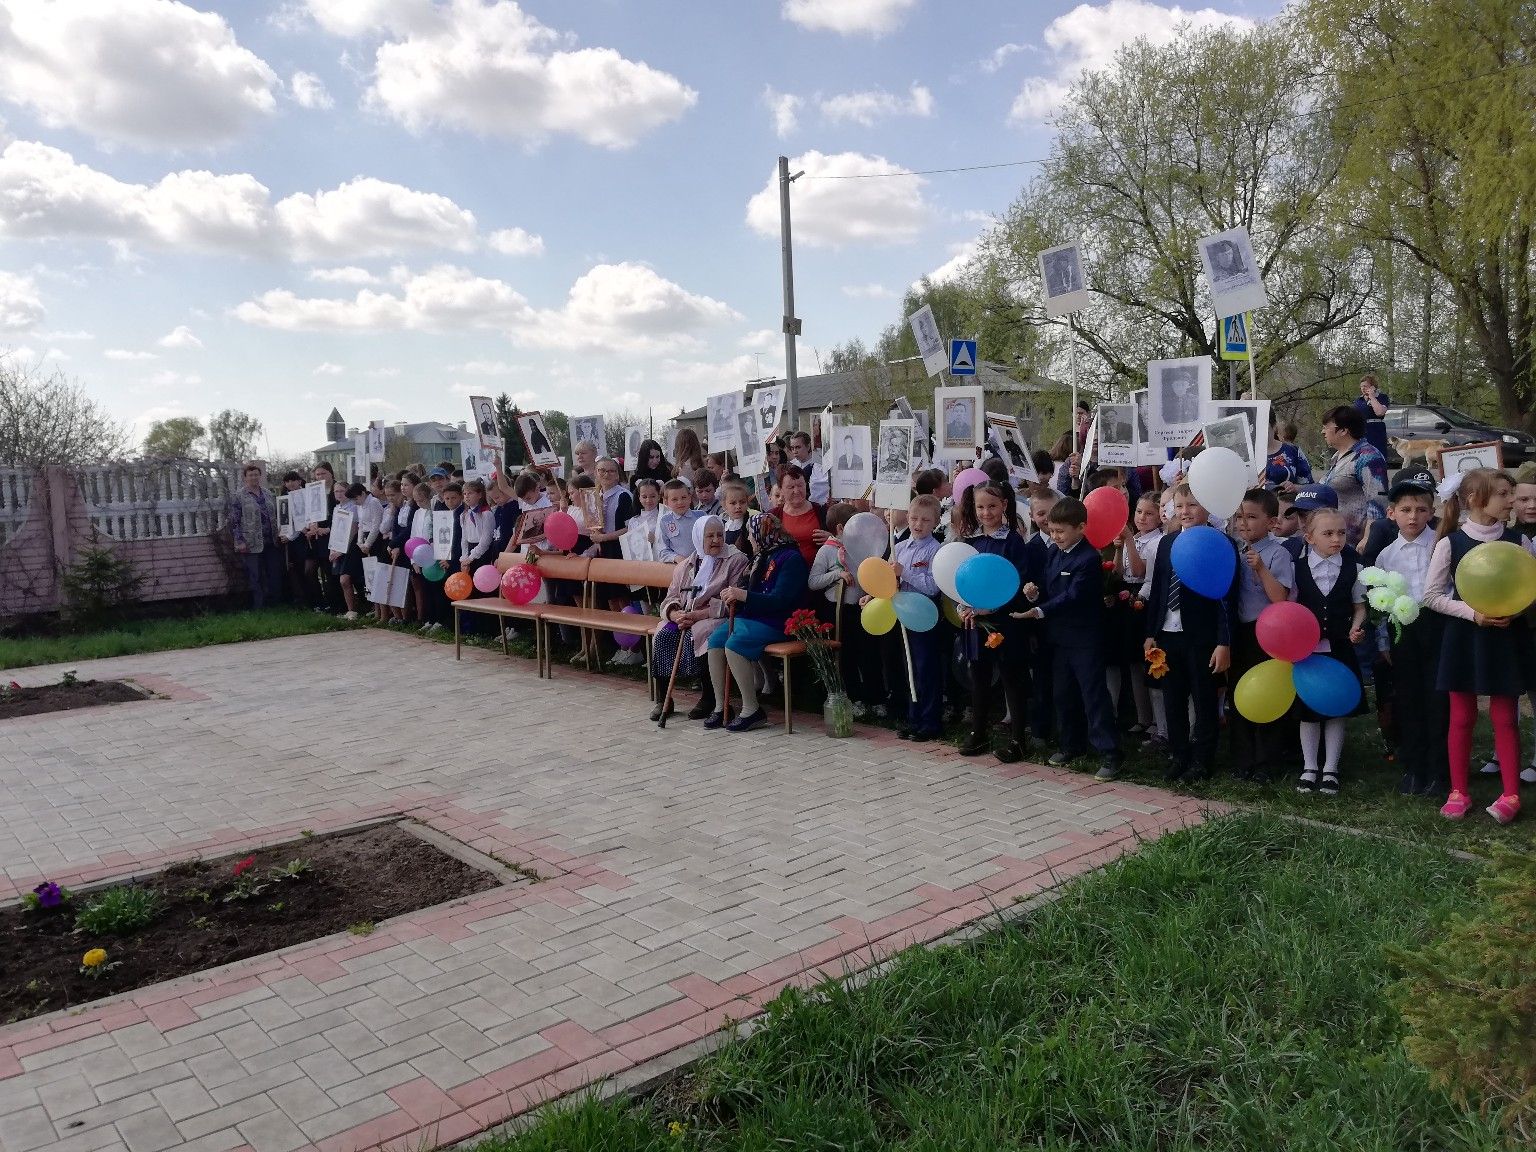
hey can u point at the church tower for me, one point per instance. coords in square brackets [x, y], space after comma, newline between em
[335, 427]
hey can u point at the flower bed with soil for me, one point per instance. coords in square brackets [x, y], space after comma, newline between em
[18, 701]
[59, 950]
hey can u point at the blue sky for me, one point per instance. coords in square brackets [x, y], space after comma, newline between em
[388, 205]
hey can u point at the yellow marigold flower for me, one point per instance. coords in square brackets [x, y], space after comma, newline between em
[676, 1128]
[994, 640]
[95, 958]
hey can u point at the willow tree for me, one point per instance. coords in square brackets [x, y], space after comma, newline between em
[1219, 127]
[1435, 104]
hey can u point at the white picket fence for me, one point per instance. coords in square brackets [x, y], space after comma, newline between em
[135, 501]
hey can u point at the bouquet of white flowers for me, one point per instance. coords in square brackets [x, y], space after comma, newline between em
[1388, 599]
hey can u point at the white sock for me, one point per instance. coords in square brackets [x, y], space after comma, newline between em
[1311, 736]
[1333, 740]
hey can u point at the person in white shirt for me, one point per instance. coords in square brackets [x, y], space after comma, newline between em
[819, 485]
[1419, 710]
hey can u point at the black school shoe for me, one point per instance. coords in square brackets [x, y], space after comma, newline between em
[747, 723]
[1011, 752]
[924, 737]
[705, 707]
[975, 744]
[716, 720]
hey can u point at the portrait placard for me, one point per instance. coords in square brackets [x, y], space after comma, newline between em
[1007, 441]
[1179, 391]
[768, 402]
[1062, 278]
[1231, 432]
[893, 463]
[722, 410]
[1117, 435]
[1232, 273]
[851, 466]
[1255, 417]
[592, 429]
[474, 459]
[442, 534]
[1148, 450]
[284, 518]
[376, 440]
[1466, 457]
[634, 436]
[315, 503]
[342, 521]
[930, 344]
[486, 429]
[960, 431]
[750, 452]
[540, 448]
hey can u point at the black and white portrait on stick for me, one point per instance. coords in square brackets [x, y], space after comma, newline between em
[893, 463]
[960, 417]
[749, 443]
[851, 472]
[1231, 432]
[1117, 435]
[1255, 417]
[541, 449]
[722, 421]
[1179, 391]
[592, 430]
[1232, 273]
[1062, 278]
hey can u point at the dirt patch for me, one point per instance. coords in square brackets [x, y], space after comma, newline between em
[353, 881]
[16, 701]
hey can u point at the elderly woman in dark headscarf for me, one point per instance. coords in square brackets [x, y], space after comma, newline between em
[775, 588]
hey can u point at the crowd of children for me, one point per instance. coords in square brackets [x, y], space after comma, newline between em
[1097, 649]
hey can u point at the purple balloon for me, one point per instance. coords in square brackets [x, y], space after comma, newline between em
[626, 639]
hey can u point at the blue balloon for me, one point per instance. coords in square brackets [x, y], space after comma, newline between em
[1326, 686]
[986, 582]
[916, 612]
[1205, 561]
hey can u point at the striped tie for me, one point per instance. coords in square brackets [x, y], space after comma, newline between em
[1175, 591]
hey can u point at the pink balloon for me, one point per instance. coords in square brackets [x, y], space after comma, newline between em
[1107, 514]
[560, 529]
[521, 583]
[487, 579]
[627, 639]
[414, 543]
[966, 479]
[1287, 631]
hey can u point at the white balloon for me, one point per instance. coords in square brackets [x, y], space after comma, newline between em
[865, 535]
[946, 562]
[1218, 477]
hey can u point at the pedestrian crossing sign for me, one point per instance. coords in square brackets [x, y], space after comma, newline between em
[962, 357]
[1234, 336]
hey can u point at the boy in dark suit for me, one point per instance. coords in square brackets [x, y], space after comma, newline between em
[1072, 606]
[1196, 633]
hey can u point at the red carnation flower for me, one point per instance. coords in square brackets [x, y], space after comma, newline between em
[244, 866]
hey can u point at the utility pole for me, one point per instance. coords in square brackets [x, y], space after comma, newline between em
[791, 321]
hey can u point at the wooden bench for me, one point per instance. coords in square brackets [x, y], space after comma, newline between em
[573, 568]
[590, 618]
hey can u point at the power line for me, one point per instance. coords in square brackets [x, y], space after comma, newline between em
[927, 171]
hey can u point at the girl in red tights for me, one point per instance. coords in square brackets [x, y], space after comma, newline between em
[1482, 655]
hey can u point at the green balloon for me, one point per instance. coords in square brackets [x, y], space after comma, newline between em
[434, 572]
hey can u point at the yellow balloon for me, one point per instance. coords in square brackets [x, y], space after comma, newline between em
[879, 615]
[878, 578]
[1497, 578]
[1265, 692]
[951, 611]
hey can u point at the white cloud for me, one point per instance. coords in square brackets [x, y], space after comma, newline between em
[128, 355]
[867, 107]
[369, 217]
[610, 308]
[45, 193]
[347, 275]
[868, 291]
[960, 255]
[328, 369]
[21, 307]
[785, 109]
[168, 379]
[1087, 38]
[516, 242]
[179, 337]
[69, 336]
[309, 91]
[870, 204]
[486, 368]
[848, 17]
[486, 66]
[146, 72]
[383, 372]
[1000, 56]
[762, 340]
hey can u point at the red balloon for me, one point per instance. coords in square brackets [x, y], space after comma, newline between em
[459, 586]
[521, 583]
[1107, 515]
[560, 529]
[1288, 632]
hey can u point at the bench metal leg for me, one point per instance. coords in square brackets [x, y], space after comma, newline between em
[789, 697]
[505, 651]
[457, 639]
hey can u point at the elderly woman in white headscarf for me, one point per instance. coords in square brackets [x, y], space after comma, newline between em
[693, 604]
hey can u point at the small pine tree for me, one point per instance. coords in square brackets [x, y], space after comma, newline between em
[1469, 999]
[97, 585]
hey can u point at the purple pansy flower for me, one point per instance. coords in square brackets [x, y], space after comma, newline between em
[48, 894]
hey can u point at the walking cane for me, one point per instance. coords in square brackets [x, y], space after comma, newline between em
[684, 636]
[725, 696]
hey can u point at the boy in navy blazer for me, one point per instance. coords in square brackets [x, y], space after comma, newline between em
[1072, 606]
[1196, 633]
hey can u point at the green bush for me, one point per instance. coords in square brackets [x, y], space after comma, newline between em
[1469, 999]
[97, 585]
[118, 911]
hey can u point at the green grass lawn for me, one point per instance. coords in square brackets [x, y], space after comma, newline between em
[162, 635]
[1225, 988]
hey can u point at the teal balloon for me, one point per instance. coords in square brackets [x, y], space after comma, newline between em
[986, 582]
[434, 572]
[1326, 686]
[916, 612]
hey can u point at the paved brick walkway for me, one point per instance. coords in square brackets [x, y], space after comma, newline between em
[689, 877]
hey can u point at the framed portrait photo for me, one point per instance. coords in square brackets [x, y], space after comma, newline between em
[1467, 457]
[894, 460]
[959, 432]
[851, 468]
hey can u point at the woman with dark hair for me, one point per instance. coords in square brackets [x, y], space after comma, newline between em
[1285, 468]
[805, 523]
[775, 587]
[1357, 473]
[690, 455]
[651, 464]
[1067, 451]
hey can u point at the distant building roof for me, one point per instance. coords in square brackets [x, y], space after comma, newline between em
[427, 432]
[835, 389]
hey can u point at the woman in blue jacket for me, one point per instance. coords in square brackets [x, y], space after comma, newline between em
[775, 588]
